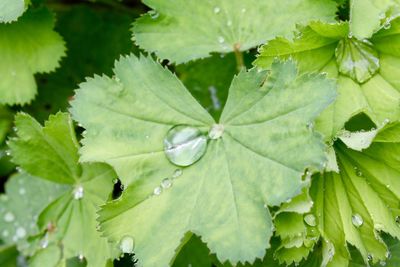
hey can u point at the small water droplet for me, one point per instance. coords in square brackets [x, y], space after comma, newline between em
[81, 257]
[154, 14]
[127, 244]
[78, 192]
[229, 23]
[243, 10]
[20, 232]
[177, 173]
[184, 145]
[382, 263]
[216, 131]
[370, 257]
[310, 126]
[357, 220]
[388, 254]
[5, 233]
[397, 219]
[8, 153]
[9, 217]
[310, 220]
[157, 191]
[44, 243]
[221, 39]
[217, 9]
[387, 25]
[386, 121]
[22, 191]
[115, 180]
[166, 183]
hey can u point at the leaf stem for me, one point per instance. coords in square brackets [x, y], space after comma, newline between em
[239, 58]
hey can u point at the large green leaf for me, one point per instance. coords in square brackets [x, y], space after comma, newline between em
[221, 197]
[352, 206]
[26, 196]
[316, 50]
[27, 46]
[51, 153]
[185, 30]
[10, 10]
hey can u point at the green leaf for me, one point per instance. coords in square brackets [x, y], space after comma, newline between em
[127, 118]
[8, 256]
[366, 16]
[314, 50]
[194, 253]
[5, 122]
[10, 10]
[27, 46]
[360, 201]
[192, 30]
[26, 196]
[51, 153]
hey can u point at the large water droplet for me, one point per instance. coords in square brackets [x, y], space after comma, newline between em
[216, 131]
[184, 145]
[127, 244]
[357, 220]
[310, 220]
[357, 59]
[9, 217]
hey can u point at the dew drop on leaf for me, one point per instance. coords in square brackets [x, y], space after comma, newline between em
[157, 191]
[127, 244]
[216, 131]
[20, 232]
[382, 263]
[388, 255]
[9, 217]
[370, 257]
[177, 173]
[357, 220]
[217, 9]
[310, 220]
[221, 39]
[166, 183]
[397, 219]
[5, 233]
[78, 192]
[184, 145]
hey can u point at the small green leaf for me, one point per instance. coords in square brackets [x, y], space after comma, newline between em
[127, 118]
[27, 46]
[26, 196]
[8, 256]
[192, 30]
[51, 153]
[11, 10]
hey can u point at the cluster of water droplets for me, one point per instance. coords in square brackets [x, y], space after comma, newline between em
[167, 182]
[78, 192]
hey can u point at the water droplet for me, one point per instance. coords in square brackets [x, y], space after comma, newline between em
[229, 23]
[243, 10]
[8, 153]
[157, 191]
[44, 243]
[382, 263]
[387, 25]
[154, 14]
[166, 183]
[5, 233]
[370, 257]
[310, 220]
[216, 131]
[9, 217]
[388, 254]
[217, 9]
[127, 244]
[357, 220]
[184, 145]
[177, 173]
[310, 126]
[81, 257]
[359, 173]
[397, 219]
[78, 192]
[386, 121]
[115, 180]
[221, 39]
[20, 232]
[22, 191]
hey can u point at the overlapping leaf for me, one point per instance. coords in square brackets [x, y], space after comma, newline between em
[26, 196]
[27, 46]
[185, 30]
[51, 153]
[10, 10]
[363, 199]
[367, 16]
[221, 197]
[363, 89]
